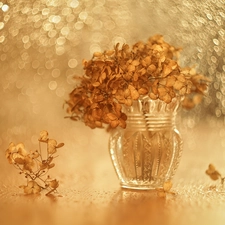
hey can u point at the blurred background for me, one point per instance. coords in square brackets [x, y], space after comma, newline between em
[43, 43]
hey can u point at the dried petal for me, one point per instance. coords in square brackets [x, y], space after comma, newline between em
[170, 81]
[96, 84]
[114, 123]
[183, 90]
[131, 68]
[181, 78]
[111, 116]
[32, 188]
[133, 92]
[43, 136]
[21, 149]
[166, 98]
[53, 184]
[51, 146]
[51, 165]
[142, 91]
[167, 70]
[97, 54]
[19, 160]
[110, 52]
[151, 68]
[162, 91]
[178, 85]
[167, 185]
[60, 145]
[212, 172]
[153, 96]
[135, 62]
[161, 193]
[128, 102]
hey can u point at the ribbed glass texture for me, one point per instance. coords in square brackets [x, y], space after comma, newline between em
[148, 151]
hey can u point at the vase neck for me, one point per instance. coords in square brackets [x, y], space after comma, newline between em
[150, 122]
[147, 114]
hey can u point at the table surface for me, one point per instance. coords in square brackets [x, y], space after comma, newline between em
[89, 191]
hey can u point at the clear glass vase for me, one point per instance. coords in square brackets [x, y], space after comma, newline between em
[148, 151]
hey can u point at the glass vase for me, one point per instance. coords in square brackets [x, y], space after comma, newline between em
[147, 152]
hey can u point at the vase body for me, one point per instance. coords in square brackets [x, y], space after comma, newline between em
[147, 152]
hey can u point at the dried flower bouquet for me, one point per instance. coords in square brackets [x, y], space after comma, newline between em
[118, 77]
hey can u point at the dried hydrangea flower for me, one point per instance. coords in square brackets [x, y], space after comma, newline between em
[212, 172]
[53, 183]
[34, 164]
[215, 175]
[31, 188]
[16, 152]
[123, 75]
[161, 192]
[43, 136]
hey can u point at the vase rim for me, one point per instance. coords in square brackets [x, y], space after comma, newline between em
[146, 105]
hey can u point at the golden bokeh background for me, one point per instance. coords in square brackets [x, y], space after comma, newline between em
[43, 43]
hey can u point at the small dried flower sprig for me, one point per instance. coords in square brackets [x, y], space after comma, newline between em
[214, 174]
[166, 189]
[120, 76]
[35, 164]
